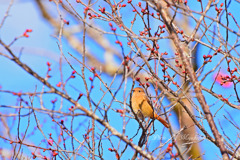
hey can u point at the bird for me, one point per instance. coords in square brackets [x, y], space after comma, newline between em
[142, 107]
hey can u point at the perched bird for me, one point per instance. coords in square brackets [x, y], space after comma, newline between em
[142, 107]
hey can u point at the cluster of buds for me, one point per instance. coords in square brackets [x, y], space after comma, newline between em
[223, 99]
[91, 16]
[145, 32]
[164, 67]
[49, 69]
[54, 153]
[93, 69]
[25, 33]
[86, 135]
[112, 28]
[227, 78]
[71, 108]
[143, 10]
[102, 10]
[34, 155]
[207, 58]
[219, 10]
[169, 150]
[59, 84]
[66, 22]
[175, 83]
[19, 94]
[116, 153]
[143, 84]
[121, 111]
[73, 74]
[119, 42]
[178, 64]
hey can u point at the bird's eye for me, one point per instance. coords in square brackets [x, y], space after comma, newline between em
[139, 91]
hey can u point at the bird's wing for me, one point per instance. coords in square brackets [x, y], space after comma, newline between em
[148, 109]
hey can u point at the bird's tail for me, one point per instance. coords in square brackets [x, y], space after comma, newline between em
[161, 120]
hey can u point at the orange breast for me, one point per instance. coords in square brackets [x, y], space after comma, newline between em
[144, 106]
